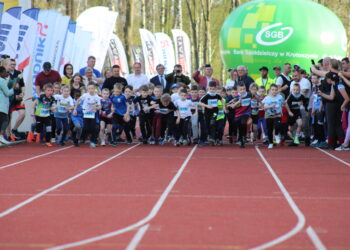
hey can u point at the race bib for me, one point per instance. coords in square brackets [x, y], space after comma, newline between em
[163, 111]
[62, 109]
[44, 112]
[246, 102]
[183, 109]
[89, 114]
[220, 113]
[213, 102]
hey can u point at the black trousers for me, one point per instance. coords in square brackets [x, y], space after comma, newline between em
[43, 126]
[273, 124]
[242, 126]
[90, 128]
[146, 125]
[183, 128]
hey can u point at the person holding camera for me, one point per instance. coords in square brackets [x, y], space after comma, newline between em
[204, 80]
[175, 77]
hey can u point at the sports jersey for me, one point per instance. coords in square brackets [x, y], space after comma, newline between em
[212, 100]
[221, 113]
[106, 107]
[244, 108]
[167, 110]
[278, 101]
[195, 104]
[62, 105]
[293, 102]
[89, 105]
[144, 103]
[133, 110]
[255, 105]
[44, 105]
[120, 104]
[184, 108]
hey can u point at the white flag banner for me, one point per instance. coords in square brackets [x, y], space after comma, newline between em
[182, 50]
[26, 40]
[100, 22]
[42, 45]
[57, 42]
[80, 51]
[150, 52]
[117, 54]
[9, 30]
[68, 46]
[166, 53]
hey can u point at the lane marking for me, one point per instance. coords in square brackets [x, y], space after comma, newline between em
[137, 237]
[33, 198]
[315, 239]
[334, 157]
[301, 218]
[34, 157]
[141, 222]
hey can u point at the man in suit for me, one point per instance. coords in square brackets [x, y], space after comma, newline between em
[160, 79]
[204, 80]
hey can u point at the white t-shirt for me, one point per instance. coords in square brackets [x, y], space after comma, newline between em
[137, 80]
[304, 85]
[90, 101]
[184, 108]
[175, 97]
[279, 81]
[63, 103]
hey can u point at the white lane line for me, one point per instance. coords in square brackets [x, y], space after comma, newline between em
[34, 157]
[301, 218]
[137, 238]
[141, 222]
[31, 199]
[315, 239]
[334, 157]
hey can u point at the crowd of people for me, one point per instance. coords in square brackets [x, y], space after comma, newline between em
[292, 108]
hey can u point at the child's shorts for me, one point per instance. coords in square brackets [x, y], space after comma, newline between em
[78, 121]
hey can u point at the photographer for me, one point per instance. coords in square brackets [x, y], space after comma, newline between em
[176, 77]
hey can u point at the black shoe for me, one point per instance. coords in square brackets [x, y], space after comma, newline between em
[76, 144]
[242, 144]
[307, 141]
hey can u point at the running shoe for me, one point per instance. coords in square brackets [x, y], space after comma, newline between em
[3, 140]
[296, 140]
[92, 145]
[151, 141]
[270, 146]
[342, 148]
[48, 144]
[278, 139]
[103, 143]
[201, 143]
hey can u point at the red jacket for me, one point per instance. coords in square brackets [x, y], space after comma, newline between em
[202, 80]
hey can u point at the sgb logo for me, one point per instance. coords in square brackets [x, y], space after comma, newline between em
[270, 36]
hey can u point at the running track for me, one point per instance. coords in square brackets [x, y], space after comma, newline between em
[153, 197]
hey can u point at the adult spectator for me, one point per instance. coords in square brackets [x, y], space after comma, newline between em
[305, 85]
[160, 79]
[346, 66]
[68, 74]
[89, 76]
[16, 102]
[137, 79]
[276, 72]
[48, 75]
[115, 78]
[203, 80]
[283, 81]
[233, 79]
[177, 77]
[75, 84]
[91, 64]
[264, 80]
[107, 73]
[243, 76]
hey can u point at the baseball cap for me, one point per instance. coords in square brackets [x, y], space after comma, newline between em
[47, 66]
[175, 85]
[263, 68]
[277, 67]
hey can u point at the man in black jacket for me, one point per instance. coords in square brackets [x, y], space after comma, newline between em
[115, 78]
[176, 77]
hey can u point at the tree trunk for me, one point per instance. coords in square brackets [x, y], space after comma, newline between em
[143, 14]
[162, 15]
[191, 8]
[129, 13]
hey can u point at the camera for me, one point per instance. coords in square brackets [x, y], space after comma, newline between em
[178, 71]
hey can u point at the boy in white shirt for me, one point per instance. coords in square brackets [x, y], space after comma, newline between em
[184, 120]
[92, 103]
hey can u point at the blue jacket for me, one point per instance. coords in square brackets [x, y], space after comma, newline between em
[5, 93]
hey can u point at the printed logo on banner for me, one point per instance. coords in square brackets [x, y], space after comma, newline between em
[38, 59]
[181, 52]
[149, 46]
[269, 35]
[4, 32]
[22, 32]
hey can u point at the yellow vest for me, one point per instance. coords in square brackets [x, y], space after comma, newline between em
[267, 83]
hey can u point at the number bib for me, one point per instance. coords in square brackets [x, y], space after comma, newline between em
[213, 102]
[246, 102]
[89, 114]
[44, 112]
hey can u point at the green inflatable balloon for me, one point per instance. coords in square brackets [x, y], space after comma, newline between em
[273, 32]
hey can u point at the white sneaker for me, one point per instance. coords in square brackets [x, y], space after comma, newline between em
[278, 139]
[53, 140]
[3, 140]
[251, 136]
[270, 146]
[342, 148]
[103, 143]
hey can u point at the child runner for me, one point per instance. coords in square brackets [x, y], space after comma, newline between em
[92, 103]
[294, 102]
[255, 103]
[133, 111]
[64, 104]
[210, 103]
[242, 104]
[144, 104]
[273, 111]
[184, 120]
[41, 110]
[221, 118]
[201, 118]
[194, 98]
[157, 118]
[78, 119]
[120, 112]
[262, 130]
[105, 116]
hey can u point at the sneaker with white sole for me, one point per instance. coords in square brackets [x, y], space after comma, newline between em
[278, 139]
[342, 148]
[270, 146]
[103, 143]
[3, 140]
